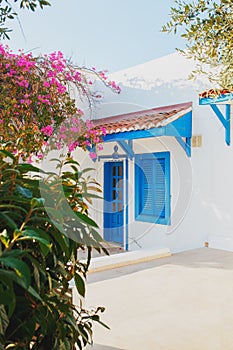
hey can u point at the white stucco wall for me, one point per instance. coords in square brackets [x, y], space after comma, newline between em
[201, 186]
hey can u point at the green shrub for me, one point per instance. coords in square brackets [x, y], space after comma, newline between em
[40, 239]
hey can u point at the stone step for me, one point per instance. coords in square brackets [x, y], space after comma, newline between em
[102, 263]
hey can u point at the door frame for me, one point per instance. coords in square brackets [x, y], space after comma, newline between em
[125, 199]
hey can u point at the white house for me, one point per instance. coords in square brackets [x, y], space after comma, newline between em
[166, 166]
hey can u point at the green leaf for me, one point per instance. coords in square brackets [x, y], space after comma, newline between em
[34, 293]
[11, 223]
[11, 206]
[56, 214]
[71, 161]
[97, 319]
[4, 321]
[33, 234]
[29, 167]
[37, 202]
[80, 284]
[7, 154]
[20, 267]
[86, 170]
[25, 192]
[14, 199]
[13, 253]
[6, 276]
[86, 219]
[62, 241]
[5, 298]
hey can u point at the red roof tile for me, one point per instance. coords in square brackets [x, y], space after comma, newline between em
[143, 120]
[215, 92]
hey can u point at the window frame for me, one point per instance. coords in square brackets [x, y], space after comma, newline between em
[153, 218]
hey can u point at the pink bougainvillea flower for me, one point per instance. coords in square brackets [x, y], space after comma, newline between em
[100, 147]
[93, 155]
[58, 145]
[72, 146]
[103, 130]
[75, 129]
[46, 84]
[40, 156]
[47, 130]
[30, 159]
[80, 112]
[39, 101]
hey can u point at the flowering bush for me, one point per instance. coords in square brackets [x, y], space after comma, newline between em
[37, 112]
[44, 220]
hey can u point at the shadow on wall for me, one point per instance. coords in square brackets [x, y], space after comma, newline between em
[103, 347]
[138, 94]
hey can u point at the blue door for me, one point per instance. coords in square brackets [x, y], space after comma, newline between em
[113, 202]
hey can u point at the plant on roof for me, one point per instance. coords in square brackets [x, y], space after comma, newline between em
[206, 25]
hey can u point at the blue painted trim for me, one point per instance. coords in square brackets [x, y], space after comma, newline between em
[228, 128]
[186, 145]
[127, 205]
[130, 143]
[151, 217]
[126, 147]
[218, 99]
[113, 229]
[110, 156]
[189, 146]
[181, 127]
[106, 191]
[224, 120]
[219, 115]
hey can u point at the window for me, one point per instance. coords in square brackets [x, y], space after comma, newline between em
[152, 187]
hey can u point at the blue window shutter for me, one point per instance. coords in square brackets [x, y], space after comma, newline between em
[147, 187]
[152, 187]
[159, 183]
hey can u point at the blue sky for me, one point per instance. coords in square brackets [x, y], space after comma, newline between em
[106, 34]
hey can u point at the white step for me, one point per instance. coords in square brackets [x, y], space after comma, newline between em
[128, 258]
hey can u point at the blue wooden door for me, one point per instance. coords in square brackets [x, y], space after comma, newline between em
[113, 202]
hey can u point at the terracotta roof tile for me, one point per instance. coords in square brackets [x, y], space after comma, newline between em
[215, 93]
[143, 120]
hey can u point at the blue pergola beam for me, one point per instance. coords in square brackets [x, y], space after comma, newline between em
[127, 147]
[186, 145]
[224, 120]
[219, 115]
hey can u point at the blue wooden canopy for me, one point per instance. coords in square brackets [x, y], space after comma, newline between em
[178, 125]
[224, 117]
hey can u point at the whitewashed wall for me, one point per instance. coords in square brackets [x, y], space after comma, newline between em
[201, 186]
